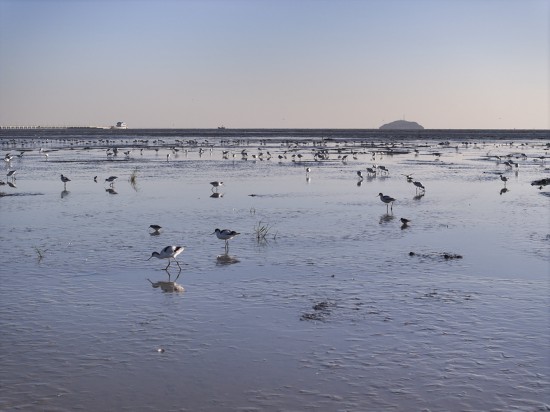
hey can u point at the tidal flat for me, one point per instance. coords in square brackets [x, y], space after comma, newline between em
[325, 301]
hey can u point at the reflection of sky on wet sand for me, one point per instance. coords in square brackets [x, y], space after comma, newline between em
[394, 330]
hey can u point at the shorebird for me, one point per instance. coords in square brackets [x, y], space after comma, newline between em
[65, 179]
[111, 180]
[216, 184]
[405, 222]
[388, 200]
[11, 174]
[503, 178]
[409, 177]
[169, 252]
[419, 186]
[384, 169]
[308, 169]
[156, 228]
[226, 235]
[360, 174]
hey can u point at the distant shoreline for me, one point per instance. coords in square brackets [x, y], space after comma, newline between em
[283, 134]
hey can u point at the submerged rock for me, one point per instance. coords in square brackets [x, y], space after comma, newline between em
[444, 255]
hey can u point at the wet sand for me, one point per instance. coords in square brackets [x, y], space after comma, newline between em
[338, 307]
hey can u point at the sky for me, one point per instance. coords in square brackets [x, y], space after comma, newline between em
[350, 64]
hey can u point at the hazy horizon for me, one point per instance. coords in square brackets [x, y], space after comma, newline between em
[450, 64]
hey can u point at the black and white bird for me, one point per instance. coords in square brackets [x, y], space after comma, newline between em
[226, 235]
[169, 252]
[216, 184]
[156, 229]
[111, 180]
[503, 178]
[419, 186]
[388, 200]
[65, 179]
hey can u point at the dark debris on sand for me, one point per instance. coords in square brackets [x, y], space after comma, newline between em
[436, 255]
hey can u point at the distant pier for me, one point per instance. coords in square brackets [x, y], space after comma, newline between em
[19, 127]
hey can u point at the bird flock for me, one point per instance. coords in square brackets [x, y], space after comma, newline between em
[310, 155]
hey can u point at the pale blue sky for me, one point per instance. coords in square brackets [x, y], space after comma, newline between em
[266, 63]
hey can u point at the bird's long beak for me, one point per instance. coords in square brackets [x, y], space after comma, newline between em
[149, 258]
[212, 233]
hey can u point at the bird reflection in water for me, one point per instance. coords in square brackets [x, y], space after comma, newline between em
[216, 195]
[111, 191]
[64, 193]
[226, 259]
[386, 218]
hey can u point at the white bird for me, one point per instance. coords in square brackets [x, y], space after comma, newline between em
[226, 235]
[388, 200]
[169, 252]
[11, 174]
[216, 184]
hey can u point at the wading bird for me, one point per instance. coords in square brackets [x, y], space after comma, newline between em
[65, 179]
[419, 186]
[111, 180]
[388, 200]
[216, 184]
[156, 229]
[226, 235]
[169, 252]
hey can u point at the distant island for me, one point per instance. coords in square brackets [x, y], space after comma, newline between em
[401, 125]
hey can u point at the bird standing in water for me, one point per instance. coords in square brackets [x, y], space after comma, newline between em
[226, 235]
[65, 179]
[216, 184]
[388, 200]
[111, 180]
[155, 228]
[503, 178]
[169, 252]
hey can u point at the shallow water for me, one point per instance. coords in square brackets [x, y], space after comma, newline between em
[329, 312]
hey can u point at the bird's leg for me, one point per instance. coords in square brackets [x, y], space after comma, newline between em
[179, 272]
[166, 268]
[177, 263]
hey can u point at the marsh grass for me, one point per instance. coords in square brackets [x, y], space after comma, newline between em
[133, 179]
[40, 252]
[262, 230]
